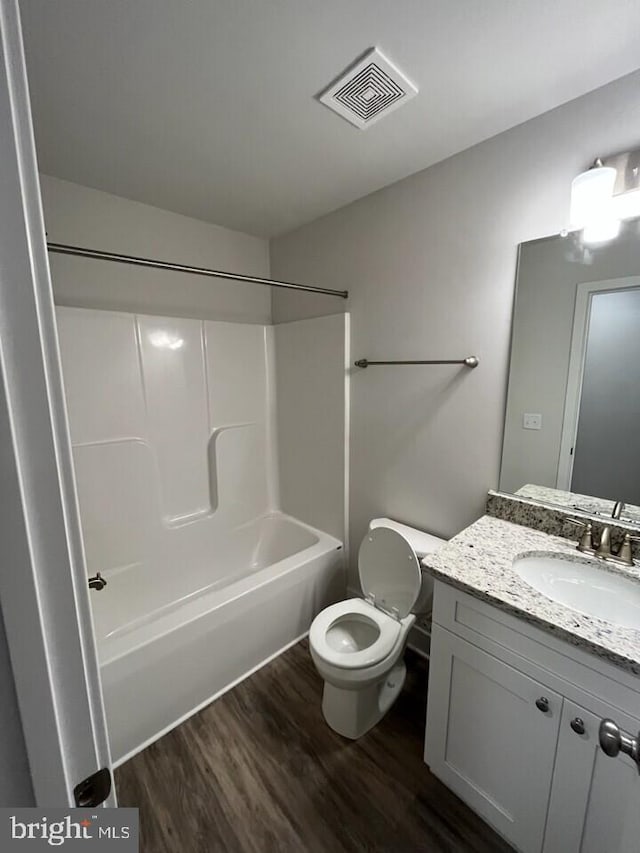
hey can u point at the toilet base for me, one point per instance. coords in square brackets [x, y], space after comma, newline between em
[351, 713]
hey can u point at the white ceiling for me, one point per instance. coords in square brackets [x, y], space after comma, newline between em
[208, 107]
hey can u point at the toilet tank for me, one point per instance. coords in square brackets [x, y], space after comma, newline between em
[423, 544]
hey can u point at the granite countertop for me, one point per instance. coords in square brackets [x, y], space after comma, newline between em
[479, 561]
[582, 503]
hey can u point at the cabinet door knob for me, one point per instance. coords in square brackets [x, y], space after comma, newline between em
[613, 740]
[542, 704]
[577, 724]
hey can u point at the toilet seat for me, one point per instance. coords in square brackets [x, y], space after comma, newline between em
[389, 571]
[388, 627]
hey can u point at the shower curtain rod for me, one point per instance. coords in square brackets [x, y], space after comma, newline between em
[63, 249]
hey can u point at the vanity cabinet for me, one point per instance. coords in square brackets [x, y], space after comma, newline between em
[486, 738]
[595, 799]
[512, 728]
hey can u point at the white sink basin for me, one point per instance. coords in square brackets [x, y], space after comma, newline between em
[584, 587]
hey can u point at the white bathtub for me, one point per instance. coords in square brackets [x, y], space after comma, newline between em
[172, 638]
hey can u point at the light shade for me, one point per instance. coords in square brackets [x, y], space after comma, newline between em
[601, 230]
[591, 196]
[626, 205]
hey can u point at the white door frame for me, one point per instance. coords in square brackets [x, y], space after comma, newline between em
[43, 582]
[585, 291]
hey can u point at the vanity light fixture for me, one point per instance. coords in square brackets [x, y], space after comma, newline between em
[604, 195]
[591, 204]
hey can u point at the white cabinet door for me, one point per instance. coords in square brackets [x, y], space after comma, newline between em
[595, 800]
[488, 740]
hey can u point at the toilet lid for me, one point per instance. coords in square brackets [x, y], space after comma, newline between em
[389, 570]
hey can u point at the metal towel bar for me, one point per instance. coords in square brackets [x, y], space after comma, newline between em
[470, 361]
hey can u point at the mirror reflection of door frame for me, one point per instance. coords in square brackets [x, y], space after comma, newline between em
[582, 314]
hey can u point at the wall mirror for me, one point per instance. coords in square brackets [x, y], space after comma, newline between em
[572, 422]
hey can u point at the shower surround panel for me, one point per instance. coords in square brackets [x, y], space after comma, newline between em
[171, 427]
[173, 430]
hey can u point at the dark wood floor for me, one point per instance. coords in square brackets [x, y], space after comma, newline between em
[259, 770]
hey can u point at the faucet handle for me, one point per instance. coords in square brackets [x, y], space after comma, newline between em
[625, 554]
[585, 542]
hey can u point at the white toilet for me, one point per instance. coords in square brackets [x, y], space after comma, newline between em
[357, 645]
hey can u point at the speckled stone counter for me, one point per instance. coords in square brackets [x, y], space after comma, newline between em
[573, 501]
[479, 561]
[555, 519]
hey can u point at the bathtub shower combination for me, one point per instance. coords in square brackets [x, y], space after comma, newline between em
[173, 427]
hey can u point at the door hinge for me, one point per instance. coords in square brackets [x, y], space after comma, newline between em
[93, 790]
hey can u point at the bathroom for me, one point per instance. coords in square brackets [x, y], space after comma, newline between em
[224, 457]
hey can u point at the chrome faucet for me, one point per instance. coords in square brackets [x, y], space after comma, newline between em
[618, 509]
[586, 545]
[604, 546]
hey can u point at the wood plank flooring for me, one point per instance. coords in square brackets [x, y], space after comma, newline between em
[259, 771]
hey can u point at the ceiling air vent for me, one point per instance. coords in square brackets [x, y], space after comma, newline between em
[368, 90]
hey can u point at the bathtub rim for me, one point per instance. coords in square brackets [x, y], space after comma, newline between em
[164, 624]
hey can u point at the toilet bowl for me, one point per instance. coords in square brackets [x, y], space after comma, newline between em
[357, 645]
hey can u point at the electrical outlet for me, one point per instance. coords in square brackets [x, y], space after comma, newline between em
[531, 420]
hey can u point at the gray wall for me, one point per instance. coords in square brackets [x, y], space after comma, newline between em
[97, 220]
[312, 387]
[430, 264]
[548, 273]
[607, 453]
